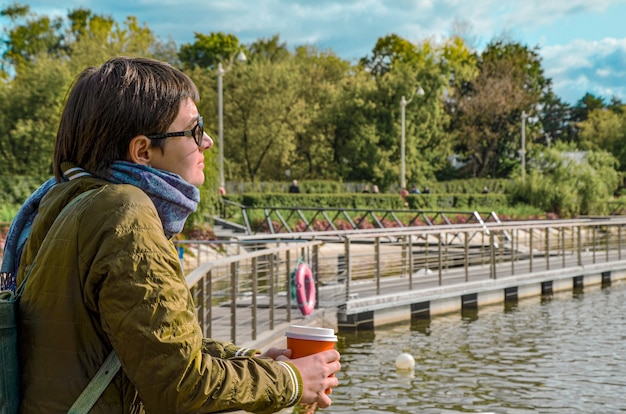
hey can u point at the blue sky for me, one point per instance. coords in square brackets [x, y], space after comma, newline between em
[582, 42]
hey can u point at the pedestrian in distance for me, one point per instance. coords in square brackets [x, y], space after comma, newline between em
[403, 193]
[106, 276]
[294, 187]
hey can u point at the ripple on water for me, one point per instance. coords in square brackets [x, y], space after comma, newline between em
[560, 355]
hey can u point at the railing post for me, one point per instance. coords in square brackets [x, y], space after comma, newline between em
[440, 265]
[619, 242]
[530, 250]
[492, 255]
[410, 238]
[255, 285]
[593, 242]
[288, 269]
[580, 254]
[426, 248]
[402, 256]
[271, 291]
[514, 239]
[233, 302]
[348, 267]
[482, 248]
[209, 302]
[608, 240]
[202, 305]
[466, 253]
[315, 269]
[446, 253]
[547, 242]
[562, 241]
[377, 259]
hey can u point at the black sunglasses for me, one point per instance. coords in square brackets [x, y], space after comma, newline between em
[196, 132]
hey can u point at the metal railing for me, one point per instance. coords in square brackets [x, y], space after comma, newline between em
[277, 220]
[243, 287]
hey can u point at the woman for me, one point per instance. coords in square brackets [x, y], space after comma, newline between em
[107, 276]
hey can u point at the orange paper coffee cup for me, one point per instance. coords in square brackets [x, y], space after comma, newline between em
[308, 340]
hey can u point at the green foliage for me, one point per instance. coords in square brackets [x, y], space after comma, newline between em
[7, 213]
[30, 36]
[605, 130]
[265, 113]
[28, 135]
[471, 186]
[561, 183]
[489, 107]
[15, 189]
[331, 124]
[466, 202]
[208, 50]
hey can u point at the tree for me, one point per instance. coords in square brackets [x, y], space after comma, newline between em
[389, 51]
[36, 35]
[30, 106]
[32, 97]
[321, 76]
[269, 49]
[605, 130]
[556, 119]
[560, 181]
[489, 108]
[263, 113]
[399, 67]
[208, 50]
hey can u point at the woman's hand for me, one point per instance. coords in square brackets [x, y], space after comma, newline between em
[317, 372]
[275, 353]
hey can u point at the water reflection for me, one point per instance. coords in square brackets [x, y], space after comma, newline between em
[560, 354]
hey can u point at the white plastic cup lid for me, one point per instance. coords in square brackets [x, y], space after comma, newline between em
[311, 333]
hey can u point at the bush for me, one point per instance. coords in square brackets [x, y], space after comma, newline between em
[568, 187]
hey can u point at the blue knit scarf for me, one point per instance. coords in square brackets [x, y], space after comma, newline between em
[174, 199]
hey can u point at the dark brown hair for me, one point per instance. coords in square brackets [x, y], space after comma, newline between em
[111, 104]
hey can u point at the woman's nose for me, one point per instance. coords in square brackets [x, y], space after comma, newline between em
[207, 142]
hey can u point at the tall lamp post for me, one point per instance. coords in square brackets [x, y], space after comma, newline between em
[241, 57]
[403, 103]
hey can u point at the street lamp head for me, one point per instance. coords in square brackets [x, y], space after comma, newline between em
[241, 57]
[419, 91]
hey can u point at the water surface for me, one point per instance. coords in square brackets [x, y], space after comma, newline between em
[564, 354]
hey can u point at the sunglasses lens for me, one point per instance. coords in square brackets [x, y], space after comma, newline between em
[199, 131]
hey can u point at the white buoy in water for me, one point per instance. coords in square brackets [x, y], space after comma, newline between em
[405, 361]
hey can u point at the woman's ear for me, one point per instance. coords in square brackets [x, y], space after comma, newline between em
[140, 150]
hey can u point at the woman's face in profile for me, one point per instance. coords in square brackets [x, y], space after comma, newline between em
[181, 155]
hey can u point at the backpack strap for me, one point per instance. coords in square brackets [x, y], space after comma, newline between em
[20, 288]
[110, 366]
[96, 386]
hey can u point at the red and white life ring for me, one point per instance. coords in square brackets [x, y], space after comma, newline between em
[305, 289]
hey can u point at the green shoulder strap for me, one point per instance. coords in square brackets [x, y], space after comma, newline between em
[96, 386]
[109, 368]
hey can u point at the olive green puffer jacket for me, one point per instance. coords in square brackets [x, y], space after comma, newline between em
[106, 277]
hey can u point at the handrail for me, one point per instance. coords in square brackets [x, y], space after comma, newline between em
[376, 217]
[348, 264]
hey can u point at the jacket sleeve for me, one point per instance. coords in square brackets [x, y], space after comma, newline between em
[222, 349]
[136, 285]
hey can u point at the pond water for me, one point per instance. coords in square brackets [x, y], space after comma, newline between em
[562, 354]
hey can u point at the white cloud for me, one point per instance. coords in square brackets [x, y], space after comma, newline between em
[352, 27]
[597, 67]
